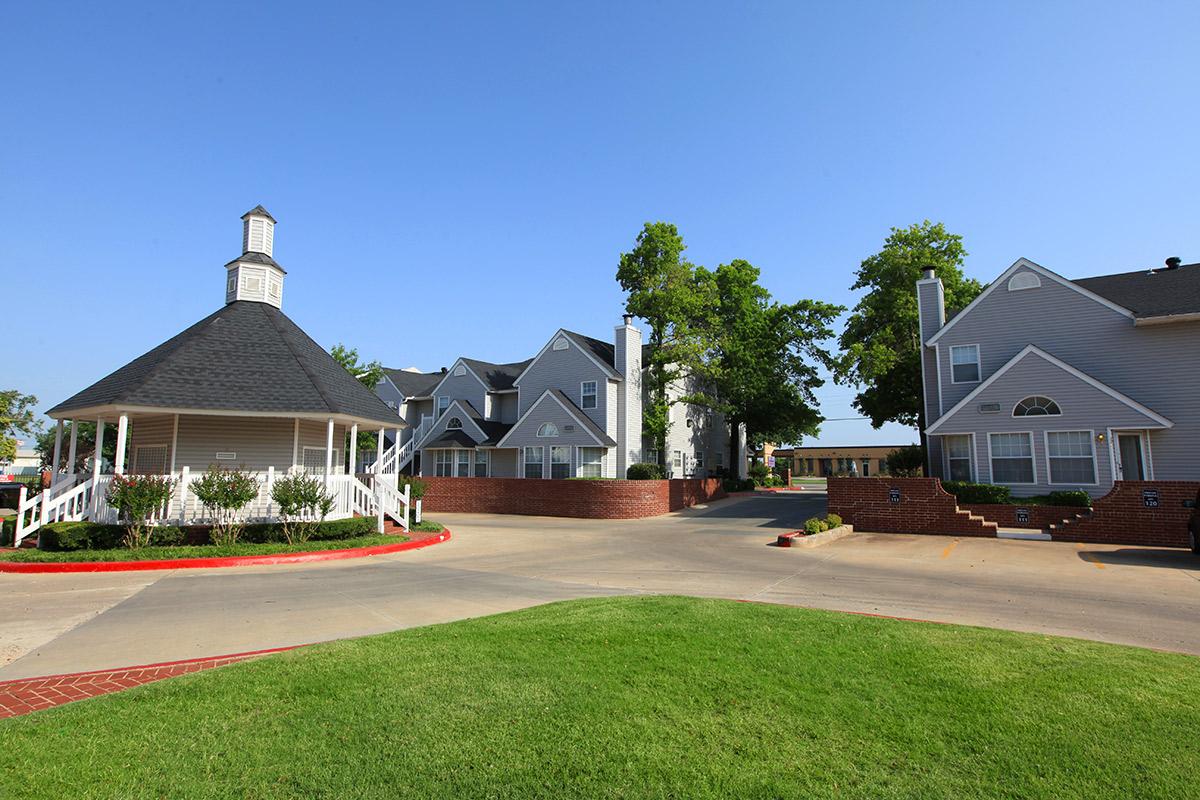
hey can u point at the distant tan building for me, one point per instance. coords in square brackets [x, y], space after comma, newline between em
[868, 460]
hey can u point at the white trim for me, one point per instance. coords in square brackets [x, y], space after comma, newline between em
[174, 442]
[1149, 454]
[296, 462]
[1095, 461]
[547, 435]
[107, 411]
[1088, 379]
[978, 362]
[550, 392]
[446, 417]
[937, 354]
[540, 448]
[595, 394]
[1037, 282]
[450, 374]
[1040, 270]
[611, 371]
[1143, 443]
[992, 467]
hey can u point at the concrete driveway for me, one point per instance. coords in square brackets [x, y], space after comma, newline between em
[65, 623]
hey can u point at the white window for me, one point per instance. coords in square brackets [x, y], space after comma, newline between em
[1024, 280]
[591, 462]
[651, 456]
[1012, 457]
[445, 464]
[560, 462]
[1036, 406]
[533, 462]
[464, 464]
[251, 285]
[958, 457]
[587, 395]
[442, 404]
[1071, 457]
[677, 462]
[698, 465]
[454, 424]
[481, 463]
[547, 430]
[150, 459]
[460, 370]
[964, 363]
[314, 460]
[560, 344]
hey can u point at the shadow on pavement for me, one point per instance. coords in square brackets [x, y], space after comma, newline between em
[1144, 557]
[782, 511]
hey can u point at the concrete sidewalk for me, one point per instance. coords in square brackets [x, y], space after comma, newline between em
[72, 623]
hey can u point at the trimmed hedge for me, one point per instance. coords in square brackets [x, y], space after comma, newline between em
[983, 493]
[1077, 497]
[645, 471]
[69, 536]
[815, 525]
[8, 530]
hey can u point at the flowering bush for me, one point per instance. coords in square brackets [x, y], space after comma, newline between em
[224, 493]
[303, 504]
[137, 498]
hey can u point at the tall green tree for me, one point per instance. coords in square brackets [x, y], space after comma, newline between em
[368, 375]
[85, 446]
[764, 360]
[16, 416]
[662, 290]
[881, 343]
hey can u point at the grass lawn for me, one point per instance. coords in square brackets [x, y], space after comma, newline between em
[640, 697]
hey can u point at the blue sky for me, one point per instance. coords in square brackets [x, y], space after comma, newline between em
[459, 179]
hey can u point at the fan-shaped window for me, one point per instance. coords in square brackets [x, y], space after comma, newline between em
[454, 424]
[1037, 407]
[1024, 280]
[548, 429]
[460, 370]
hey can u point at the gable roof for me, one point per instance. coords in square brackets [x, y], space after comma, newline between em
[413, 384]
[247, 356]
[497, 377]
[491, 431]
[573, 410]
[1057, 362]
[1151, 293]
[259, 211]
[1024, 263]
[599, 353]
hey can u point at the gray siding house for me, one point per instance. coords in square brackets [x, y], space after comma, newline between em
[1044, 383]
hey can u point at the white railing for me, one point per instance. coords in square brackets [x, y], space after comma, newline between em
[396, 457]
[89, 501]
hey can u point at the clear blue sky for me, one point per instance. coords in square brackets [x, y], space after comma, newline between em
[460, 178]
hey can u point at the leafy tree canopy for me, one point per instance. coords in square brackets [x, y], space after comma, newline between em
[16, 417]
[881, 343]
[368, 375]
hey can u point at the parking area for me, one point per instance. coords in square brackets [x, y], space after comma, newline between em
[64, 623]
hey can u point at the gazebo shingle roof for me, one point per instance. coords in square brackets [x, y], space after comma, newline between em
[247, 356]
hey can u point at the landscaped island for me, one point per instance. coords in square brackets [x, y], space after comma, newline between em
[640, 697]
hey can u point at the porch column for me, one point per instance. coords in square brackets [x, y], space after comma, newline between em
[58, 431]
[328, 450]
[379, 449]
[71, 449]
[296, 445]
[97, 458]
[354, 449]
[379, 521]
[122, 435]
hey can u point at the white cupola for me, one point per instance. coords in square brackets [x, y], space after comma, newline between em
[255, 275]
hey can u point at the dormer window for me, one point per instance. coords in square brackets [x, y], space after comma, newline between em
[547, 430]
[454, 424]
[1037, 406]
[1024, 280]
[964, 363]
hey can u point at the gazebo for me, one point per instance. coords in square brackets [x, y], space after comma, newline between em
[244, 387]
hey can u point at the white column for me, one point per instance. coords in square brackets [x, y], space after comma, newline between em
[379, 449]
[296, 445]
[378, 487]
[98, 459]
[58, 432]
[71, 449]
[122, 435]
[174, 443]
[354, 449]
[328, 450]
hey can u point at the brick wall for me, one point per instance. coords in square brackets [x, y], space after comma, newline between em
[558, 498]
[1119, 517]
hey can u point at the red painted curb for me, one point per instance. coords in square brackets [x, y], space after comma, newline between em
[225, 561]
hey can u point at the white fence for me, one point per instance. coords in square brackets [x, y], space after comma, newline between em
[71, 501]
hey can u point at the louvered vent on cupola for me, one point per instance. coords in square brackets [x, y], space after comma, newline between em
[255, 275]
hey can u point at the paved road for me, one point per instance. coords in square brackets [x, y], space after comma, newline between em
[63, 623]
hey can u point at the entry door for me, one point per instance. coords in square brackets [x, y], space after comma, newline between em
[1130, 466]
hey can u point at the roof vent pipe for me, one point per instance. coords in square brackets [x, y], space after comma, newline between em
[928, 274]
[628, 319]
[1173, 262]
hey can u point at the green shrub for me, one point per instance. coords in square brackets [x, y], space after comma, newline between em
[416, 486]
[645, 471]
[224, 493]
[758, 474]
[1075, 497]
[833, 520]
[978, 492]
[814, 525]
[303, 503]
[738, 485]
[906, 462]
[8, 531]
[137, 498]
[69, 536]
[348, 528]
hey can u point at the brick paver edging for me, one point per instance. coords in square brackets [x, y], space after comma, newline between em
[26, 695]
[225, 561]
